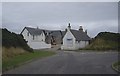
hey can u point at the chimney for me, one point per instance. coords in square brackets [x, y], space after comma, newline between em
[69, 27]
[80, 28]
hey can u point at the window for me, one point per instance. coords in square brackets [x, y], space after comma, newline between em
[33, 37]
[28, 34]
[69, 39]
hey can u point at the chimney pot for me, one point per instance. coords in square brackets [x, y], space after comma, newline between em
[69, 26]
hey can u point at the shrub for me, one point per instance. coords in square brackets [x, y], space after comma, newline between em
[14, 40]
[105, 41]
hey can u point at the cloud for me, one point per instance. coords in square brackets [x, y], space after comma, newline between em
[56, 15]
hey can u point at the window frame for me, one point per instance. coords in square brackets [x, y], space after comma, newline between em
[28, 34]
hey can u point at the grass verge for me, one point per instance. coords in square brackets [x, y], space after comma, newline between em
[116, 66]
[20, 59]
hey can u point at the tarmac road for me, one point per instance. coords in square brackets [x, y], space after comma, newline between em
[70, 62]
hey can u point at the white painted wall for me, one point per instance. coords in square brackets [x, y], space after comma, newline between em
[26, 37]
[38, 38]
[66, 43]
[38, 42]
[81, 44]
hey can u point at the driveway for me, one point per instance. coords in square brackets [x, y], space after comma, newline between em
[70, 62]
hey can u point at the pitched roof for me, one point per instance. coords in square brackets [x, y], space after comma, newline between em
[80, 35]
[37, 31]
[56, 33]
[33, 31]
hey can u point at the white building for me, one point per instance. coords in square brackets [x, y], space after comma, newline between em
[35, 38]
[75, 39]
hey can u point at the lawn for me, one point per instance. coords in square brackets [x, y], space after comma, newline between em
[21, 59]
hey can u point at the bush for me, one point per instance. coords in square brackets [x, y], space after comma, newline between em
[105, 41]
[14, 40]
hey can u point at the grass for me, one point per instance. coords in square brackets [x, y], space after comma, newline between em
[0, 60]
[20, 59]
[11, 52]
[101, 45]
[116, 66]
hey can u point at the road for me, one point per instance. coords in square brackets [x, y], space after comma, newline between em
[70, 62]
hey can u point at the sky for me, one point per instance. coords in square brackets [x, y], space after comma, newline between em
[60, 0]
[94, 16]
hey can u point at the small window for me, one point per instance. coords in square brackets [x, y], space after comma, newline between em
[70, 42]
[33, 37]
[69, 39]
[28, 34]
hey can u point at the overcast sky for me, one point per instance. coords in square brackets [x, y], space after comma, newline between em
[94, 16]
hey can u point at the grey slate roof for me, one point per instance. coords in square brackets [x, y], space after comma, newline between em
[56, 33]
[37, 31]
[63, 33]
[34, 31]
[80, 35]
